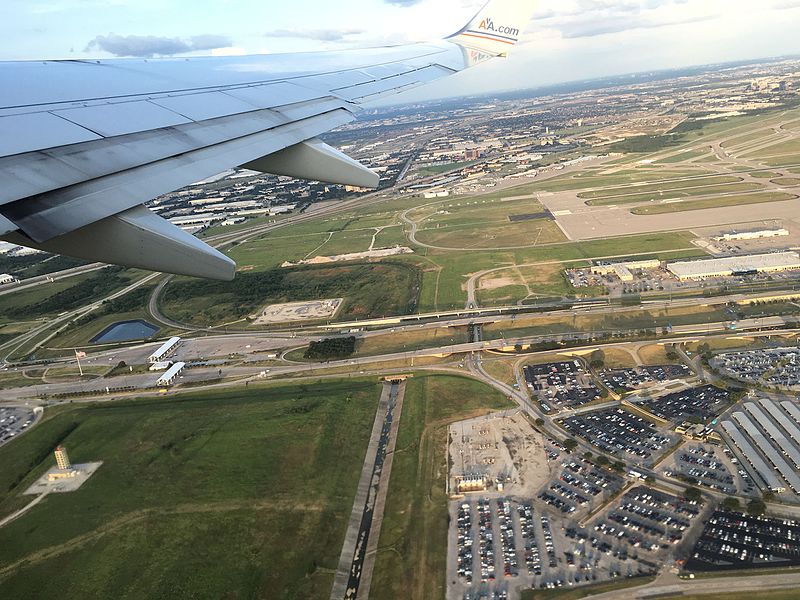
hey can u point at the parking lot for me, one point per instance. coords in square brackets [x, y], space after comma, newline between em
[13, 421]
[731, 540]
[769, 367]
[626, 380]
[644, 280]
[578, 486]
[644, 522]
[561, 385]
[499, 546]
[701, 402]
[620, 433]
[702, 465]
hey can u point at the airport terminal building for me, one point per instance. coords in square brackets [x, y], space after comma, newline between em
[735, 265]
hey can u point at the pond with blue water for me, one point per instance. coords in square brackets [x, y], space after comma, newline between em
[125, 331]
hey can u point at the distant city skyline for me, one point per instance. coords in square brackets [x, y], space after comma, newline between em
[567, 40]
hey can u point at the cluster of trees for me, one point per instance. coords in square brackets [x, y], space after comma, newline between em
[755, 507]
[331, 348]
[704, 350]
[597, 359]
[32, 265]
[135, 300]
[692, 494]
[104, 282]
[648, 143]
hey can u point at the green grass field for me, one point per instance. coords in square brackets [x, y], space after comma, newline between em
[484, 222]
[412, 551]
[660, 209]
[227, 494]
[369, 290]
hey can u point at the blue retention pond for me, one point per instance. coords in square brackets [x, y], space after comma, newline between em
[125, 331]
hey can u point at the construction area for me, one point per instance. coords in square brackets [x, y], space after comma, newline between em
[63, 480]
[311, 310]
[496, 453]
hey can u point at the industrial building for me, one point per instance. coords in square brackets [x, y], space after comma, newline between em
[751, 235]
[168, 378]
[735, 265]
[623, 269]
[750, 454]
[768, 450]
[164, 350]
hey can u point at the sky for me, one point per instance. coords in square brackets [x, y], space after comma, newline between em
[567, 40]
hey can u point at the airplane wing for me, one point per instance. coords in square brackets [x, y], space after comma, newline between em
[83, 144]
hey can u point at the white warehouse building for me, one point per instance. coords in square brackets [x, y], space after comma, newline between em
[171, 374]
[732, 265]
[164, 350]
[752, 235]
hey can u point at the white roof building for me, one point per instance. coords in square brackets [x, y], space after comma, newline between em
[169, 376]
[164, 350]
[724, 267]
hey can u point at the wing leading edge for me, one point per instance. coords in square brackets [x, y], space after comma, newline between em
[84, 143]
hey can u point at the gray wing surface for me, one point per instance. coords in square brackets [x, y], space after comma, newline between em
[83, 144]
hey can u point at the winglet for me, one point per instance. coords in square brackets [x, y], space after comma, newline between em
[497, 26]
[138, 238]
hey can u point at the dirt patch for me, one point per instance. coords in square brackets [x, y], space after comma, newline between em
[497, 282]
[297, 311]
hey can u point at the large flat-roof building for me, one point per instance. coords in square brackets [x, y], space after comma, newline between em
[733, 265]
[751, 235]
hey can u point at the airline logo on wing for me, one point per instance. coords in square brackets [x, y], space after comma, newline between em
[487, 30]
[487, 25]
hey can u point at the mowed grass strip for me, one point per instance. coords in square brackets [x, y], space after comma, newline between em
[412, 552]
[787, 181]
[241, 493]
[682, 193]
[660, 187]
[778, 149]
[673, 207]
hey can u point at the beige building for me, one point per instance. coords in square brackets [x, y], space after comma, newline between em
[623, 269]
[62, 458]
